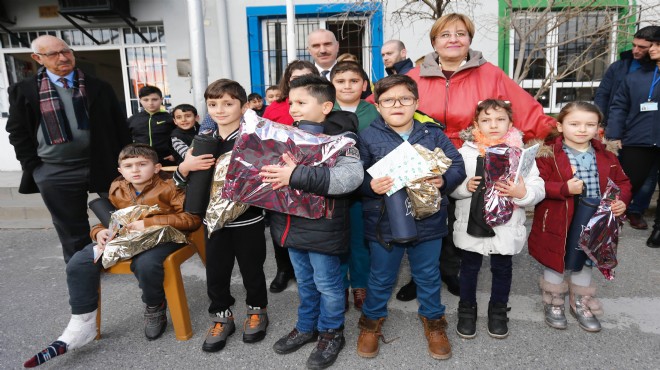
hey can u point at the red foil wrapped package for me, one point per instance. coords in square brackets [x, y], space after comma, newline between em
[500, 165]
[600, 238]
[262, 142]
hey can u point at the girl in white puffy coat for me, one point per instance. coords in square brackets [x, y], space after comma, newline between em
[492, 126]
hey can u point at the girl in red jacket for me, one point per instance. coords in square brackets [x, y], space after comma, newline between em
[572, 164]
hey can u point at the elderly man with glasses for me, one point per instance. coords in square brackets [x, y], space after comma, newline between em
[67, 129]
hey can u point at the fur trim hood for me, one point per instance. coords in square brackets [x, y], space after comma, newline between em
[546, 149]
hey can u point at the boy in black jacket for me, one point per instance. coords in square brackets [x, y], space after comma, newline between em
[315, 245]
[153, 125]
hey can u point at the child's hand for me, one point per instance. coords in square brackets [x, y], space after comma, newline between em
[575, 186]
[618, 207]
[436, 181]
[381, 185]
[195, 163]
[103, 236]
[473, 184]
[135, 226]
[169, 158]
[278, 176]
[511, 189]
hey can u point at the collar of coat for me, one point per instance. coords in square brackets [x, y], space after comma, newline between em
[430, 67]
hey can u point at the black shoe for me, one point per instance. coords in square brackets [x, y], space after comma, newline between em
[281, 281]
[155, 321]
[293, 341]
[497, 320]
[407, 292]
[327, 349]
[467, 320]
[453, 285]
[654, 240]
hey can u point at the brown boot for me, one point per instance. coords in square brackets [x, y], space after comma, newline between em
[367, 345]
[434, 330]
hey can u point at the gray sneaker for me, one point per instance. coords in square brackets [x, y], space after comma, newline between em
[555, 316]
[216, 337]
[155, 321]
[293, 341]
[584, 316]
[254, 328]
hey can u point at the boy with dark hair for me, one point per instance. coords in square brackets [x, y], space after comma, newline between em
[397, 97]
[350, 81]
[242, 240]
[315, 245]
[185, 119]
[273, 93]
[153, 125]
[256, 103]
[140, 184]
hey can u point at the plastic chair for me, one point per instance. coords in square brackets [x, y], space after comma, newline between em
[175, 293]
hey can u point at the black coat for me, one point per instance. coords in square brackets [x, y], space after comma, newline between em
[108, 131]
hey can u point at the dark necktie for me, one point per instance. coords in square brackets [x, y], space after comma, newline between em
[325, 74]
[64, 81]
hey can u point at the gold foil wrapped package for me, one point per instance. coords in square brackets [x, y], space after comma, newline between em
[220, 210]
[424, 197]
[128, 243]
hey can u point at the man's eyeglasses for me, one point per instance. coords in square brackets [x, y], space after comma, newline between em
[448, 35]
[55, 54]
[404, 101]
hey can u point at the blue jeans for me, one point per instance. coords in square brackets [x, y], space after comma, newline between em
[355, 268]
[642, 199]
[320, 289]
[424, 267]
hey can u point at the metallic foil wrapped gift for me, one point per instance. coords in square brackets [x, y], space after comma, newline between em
[128, 243]
[261, 142]
[600, 237]
[220, 211]
[425, 197]
[500, 164]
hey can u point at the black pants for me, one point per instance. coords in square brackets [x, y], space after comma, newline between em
[83, 276]
[450, 257]
[501, 266]
[637, 163]
[64, 191]
[246, 245]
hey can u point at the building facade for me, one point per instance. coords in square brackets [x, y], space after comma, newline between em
[153, 47]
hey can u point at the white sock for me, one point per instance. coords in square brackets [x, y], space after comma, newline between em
[80, 331]
[582, 277]
[552, 276]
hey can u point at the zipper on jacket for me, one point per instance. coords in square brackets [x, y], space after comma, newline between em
[446, 99]
[545, 217]
[554, 158]
[150, 141]
[286, 230]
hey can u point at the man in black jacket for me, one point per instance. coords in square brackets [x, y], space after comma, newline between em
[67, 129]
[395, 58]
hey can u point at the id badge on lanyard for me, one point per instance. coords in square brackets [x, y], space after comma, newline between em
[649, 105]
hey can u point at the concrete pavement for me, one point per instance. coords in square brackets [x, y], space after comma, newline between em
[34, 311]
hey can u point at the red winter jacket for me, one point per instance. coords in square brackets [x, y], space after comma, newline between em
[279, 112]
[552, 217]
[454, 101]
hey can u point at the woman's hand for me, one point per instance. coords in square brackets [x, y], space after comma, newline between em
[511, 189]
[473, 184]
[381, 185]
[135, 226]
[103, 236]
[278, 176]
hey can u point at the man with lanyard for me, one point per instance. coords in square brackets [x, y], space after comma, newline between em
[633, 125]
[67, 129]
[630, 61]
